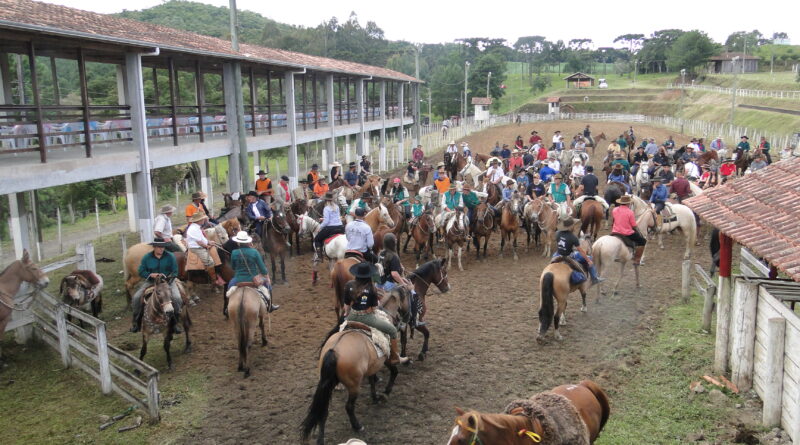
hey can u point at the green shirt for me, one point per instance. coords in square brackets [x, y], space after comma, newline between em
[559, 192]
[400, 195]
[247, 263]
[451, 200]
[743, 146]
[624, 163]
[165, 265]
[622, 143]
[417, 209]
[471, 200]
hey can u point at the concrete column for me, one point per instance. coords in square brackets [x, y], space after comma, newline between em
[20, 227]
[347, 149]
[400, 135]
[205, 182]
[382, 144]
[331, 142]
[130, 198]
[122, 93]
[291, 126]
[5, 80]
[360, 145]
[141, 181]
[232, 126]
[417, 128]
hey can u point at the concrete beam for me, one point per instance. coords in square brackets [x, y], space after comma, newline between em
[417, 128]
[142, 183]
[232, 127]
[291, 122]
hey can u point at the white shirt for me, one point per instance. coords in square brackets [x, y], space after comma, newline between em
[163, 225]
[691, 170]
[254, 208]
[452, 149]
[555, 164]
[578, 170]
[495, 174]
[556, 138]
[693, 145]
[194, 234]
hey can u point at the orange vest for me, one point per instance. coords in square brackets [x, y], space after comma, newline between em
[191, 209]
[320, 189]
[442, 185]
[263, 186]
[314, 176]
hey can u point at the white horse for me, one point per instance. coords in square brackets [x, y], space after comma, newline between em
[427, 193]
[335, 250]
[460, 224]
[473, 171]
[685, 221]
[607, 250]
[642, 177]
[307, 225]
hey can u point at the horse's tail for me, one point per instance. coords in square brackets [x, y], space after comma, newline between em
[602, 398]
[243, 333]
[328, 380]
[546, 303]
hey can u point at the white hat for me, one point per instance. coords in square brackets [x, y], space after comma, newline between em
[335, 164]
[452, 142]
[235, 196]
[242, 238]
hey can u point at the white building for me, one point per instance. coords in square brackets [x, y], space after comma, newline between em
[482, 106]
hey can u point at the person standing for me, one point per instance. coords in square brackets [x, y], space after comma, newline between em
[331, 224]
[282, 194]
[417, 154]
[625, 225]
[313, 175]
[195, 206]
[162, 228]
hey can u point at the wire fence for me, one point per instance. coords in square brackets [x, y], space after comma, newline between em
[743, 92]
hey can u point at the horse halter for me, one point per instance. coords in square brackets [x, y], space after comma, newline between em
[476, 440]
[428, 283]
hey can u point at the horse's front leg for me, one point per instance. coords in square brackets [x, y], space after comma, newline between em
[426, 334]
[405, 247]
[459, 258]
[283, 269]
[392, 377]
[660, 240]
[167, 342]
[502, 243]
[583, 301]
[516, 257]
[403, 342]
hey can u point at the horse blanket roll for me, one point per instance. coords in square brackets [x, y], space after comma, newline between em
[560, 420]
[193, 261]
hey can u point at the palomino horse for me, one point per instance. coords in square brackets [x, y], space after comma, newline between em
[482, 227]
[455, 234]
[274, 238]
[422, 232]
[432, 273]
[555, 285]
[247, 310]
[347, 357]
[509, 224]
[565, 415]
[591, 217]
[157, 317]
[545, 213]
[481, 157]
[11, 279]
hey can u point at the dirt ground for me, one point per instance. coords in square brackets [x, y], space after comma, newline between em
[483, 353]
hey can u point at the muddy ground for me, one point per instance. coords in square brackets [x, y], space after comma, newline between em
[483, 353]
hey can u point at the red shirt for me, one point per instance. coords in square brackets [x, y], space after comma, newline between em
[542, 155]
[680, 186]
[727, 169]
[624, 220]
[534, 139]
[514, 163]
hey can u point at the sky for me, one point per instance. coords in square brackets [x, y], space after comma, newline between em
[444, 21]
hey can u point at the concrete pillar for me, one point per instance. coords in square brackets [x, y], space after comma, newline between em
[232, 126]
[347, 148]
[141, 180]
[291, 126]
[122, 93]
[382, 144]
[360, 146]
[400, 135]
[20, 227]
[130, 198]
[6, 96]
[417, 128]
[330, 146]
[205, 182]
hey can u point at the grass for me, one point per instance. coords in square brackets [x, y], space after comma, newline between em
[655, 406]
[782, 80]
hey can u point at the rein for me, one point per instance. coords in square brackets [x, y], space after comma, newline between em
[428, 283]
[475, 438]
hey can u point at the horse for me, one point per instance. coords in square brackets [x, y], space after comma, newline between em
[157, 315]
[509, 224]
[347, 357]
[614, 190]
[591, 216]
[642, 178]
[455, 234]
[482, 227]
[594, 143]
[432, 273]
[742, 162]
[493, 195]
[630, 140]
[11, 278]
[481, 157]
[422, 233]
[83, 289]
[607, 250]
[545, 213]
[565, 415]
[555, 284]
[234, 209]
[707, 157]
[685, 221]
[247, 309]
[471, 170]
[274, 238]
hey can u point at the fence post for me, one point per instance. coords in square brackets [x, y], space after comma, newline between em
[97, 215]
[63, 336]
[87, 262]
[102, 357]
[744, 333]
[773, 388]
[123, 238]
[152, 398]
[708, 307]
[686, 268]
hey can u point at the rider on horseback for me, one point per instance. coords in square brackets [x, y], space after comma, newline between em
[351, 176]
[400, 196]
[589, 183]
[495, 173]
[659, 196]
[359, 236]
[568, 246]
[247, 264]
[625, 227]
[639, 159]
[618, 175]
[360, 203]
[155, 264]
[331, 225]
[559, 190]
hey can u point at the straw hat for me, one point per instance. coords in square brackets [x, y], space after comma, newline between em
[242, 238]
[196, 195]
[335, 164]
[624, 200]
[167, 209]
[197, 217]
[452, 142]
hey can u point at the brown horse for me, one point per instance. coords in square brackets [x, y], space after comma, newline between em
[347, 357]
[509, 224]
[234, 209]
[482, 227]
[555, 285]
[275, 240]
[158, 315]
[600, 137]
[83, 289]
[432, 273]
[545, 214]
[247, 310]
[565, 415]
[742, 162]
[707, 157]
[492, 192]
[481, 157]
[422, 233]
[11, 279]
[591, 217]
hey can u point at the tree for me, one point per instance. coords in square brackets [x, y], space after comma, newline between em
[631, 40]
[530, 46]
[739, 41]
[691, 50]
[779, 35]
[580, 44]
[447, 84]
[479, 71]
[653, 55]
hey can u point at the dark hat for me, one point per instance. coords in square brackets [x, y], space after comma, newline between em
[352, 164]
[196, 195]
[328, 196]
[624, 199]
[252, 193]
[366, 195]
[744, 137]
[159, 242]
[658, 179]
[363, 270]
[261, 172]
[589, 169]
[302, 181]
[617, 167]
[285, 178]
[360, 211]
[314, 166]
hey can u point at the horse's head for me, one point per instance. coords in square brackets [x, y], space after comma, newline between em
[232, 227]
[160, 299]
[73, 289]
[279, 222]
[467, 429]
[29, 272]
[385, 217]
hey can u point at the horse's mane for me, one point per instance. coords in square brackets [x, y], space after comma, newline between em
[425, 269]
[7, 267]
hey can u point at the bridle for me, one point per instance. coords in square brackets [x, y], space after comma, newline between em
[476, 440]
[427, 283]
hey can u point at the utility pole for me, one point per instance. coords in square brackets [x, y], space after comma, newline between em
[244, 163]
[488, 79]
[417, 129]
[430, 115]
[683, 92]
[466, 71]
[733, 90]
[635, 69]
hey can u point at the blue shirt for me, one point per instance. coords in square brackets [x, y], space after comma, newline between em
[523, 180]
[651, 149]
[659, 194]
[359, 236]
[505, 153]
[330, 216]
[507, 193]
[351, 177]
[546, 172]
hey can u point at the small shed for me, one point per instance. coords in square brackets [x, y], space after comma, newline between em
[482, 105]
[723, 63]
[579, 80]
[554, 105]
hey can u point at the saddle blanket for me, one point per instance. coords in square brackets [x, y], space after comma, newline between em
[193, 261]
[327, 240]
[379, 340]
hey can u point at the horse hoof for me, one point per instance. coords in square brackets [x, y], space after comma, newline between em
[187, 349]
[559, 337]
[516, 258]
[359, 429]
[421, 357]
[583, 309]
[460, 268]
[246, 373]
[540, 339]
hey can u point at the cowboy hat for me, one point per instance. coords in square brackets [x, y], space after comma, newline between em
[159, 242]
[284, 177]
[452, 142]
[252, 193]
[744, 137]
[167, 209]
[235, 196]
[493, 160]
[360, 211]
[196, 195]
[363, 270]
[314, 167]
[203, 195]
[558, 176]
[419, 197]
[242, 238]
[328, 196]
[452, 187]
[261, 172]
[566, 223]
[197, 217]
[366, 195]
[617, 167]
[577, 160]
[335, 164]
[352, 164]
[624, 199]
[658, 179]
[440, 164]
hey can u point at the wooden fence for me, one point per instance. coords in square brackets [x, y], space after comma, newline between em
[764, 348]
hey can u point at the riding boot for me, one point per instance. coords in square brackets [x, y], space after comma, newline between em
[593, 273]
[212, 274]
[637, 255]
[137, 318]
[394, 356]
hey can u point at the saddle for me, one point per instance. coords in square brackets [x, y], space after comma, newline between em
[571, 262]
[625, 240]
[331, 238]
[193, 261]
[380, 341]
[354, 254]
